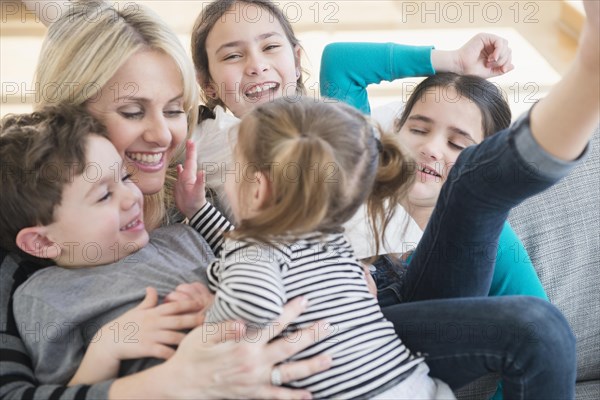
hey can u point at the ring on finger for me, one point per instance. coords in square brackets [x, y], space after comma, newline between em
[276, 376]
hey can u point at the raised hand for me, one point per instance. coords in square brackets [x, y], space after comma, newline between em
[190, 193]
[484, 55]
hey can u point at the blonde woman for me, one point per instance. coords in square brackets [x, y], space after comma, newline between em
[130, 71]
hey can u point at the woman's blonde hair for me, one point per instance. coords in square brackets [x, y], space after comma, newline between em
[323, 160]
[86, 46]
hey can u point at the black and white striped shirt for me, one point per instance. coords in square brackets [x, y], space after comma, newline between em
[253, 281]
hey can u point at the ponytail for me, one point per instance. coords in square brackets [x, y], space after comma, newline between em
[394, 178]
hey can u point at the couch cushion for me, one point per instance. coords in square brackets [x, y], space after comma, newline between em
[560, 229]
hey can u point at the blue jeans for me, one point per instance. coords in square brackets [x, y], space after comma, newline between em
[525, 339]
[467, 335]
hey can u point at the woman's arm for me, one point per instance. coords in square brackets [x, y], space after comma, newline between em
[200, 367]
[214, 361]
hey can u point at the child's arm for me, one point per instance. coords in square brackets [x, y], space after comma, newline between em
[156, 329]
[190, 198]
[563, 122]
[348, 68]
[247, 283]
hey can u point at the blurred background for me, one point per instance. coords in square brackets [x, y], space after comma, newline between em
[542, 35]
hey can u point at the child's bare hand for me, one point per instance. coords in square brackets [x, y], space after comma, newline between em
[190, 193]
[196, 291]
[148, 330]
[370, 281]
[484, 55]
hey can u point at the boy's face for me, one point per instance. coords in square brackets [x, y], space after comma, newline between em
[100, 218]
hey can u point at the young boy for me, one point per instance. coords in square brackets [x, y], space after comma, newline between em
[66, 197]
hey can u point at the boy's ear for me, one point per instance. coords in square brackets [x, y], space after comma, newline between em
[261, 196]
[33, 240]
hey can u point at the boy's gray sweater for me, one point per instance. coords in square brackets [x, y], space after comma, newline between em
[58, 311]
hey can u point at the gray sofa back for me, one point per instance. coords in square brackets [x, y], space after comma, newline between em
[560, 229]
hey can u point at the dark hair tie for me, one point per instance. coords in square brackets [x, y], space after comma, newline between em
[205, 113]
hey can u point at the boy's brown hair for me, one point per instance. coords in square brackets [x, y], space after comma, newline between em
[41, 152]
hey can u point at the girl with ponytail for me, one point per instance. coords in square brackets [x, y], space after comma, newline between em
[302, 170]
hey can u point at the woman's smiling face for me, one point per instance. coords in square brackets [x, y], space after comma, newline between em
[142, 109]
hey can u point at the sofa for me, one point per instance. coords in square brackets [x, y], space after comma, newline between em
[560, 229]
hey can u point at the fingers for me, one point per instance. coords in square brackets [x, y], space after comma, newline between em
[285, 347]
[196, 291]
[178, 307]
[502, 58]
[190, 164]
[179, 322]
[150, 300]
[160, 351]
[169, 337]
[302, 369]
[200, 181]
[291, 311]
[370, 281]
[214, 333]
[187, 172]
[177, 296]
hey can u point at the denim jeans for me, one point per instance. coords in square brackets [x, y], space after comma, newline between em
[525, 339]
[465, 334]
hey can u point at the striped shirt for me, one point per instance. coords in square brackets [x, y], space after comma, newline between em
[253, 281]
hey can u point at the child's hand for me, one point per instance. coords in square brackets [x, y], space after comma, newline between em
[149, 329]
[196, 291]
[189, 188]
[370, 281]
[484, 55]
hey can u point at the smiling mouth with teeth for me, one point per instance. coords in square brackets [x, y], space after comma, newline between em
[257, 91]
[146, 158]
[428, 171]
[132, 224]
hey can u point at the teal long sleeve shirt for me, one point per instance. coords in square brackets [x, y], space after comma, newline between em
[346, 71]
